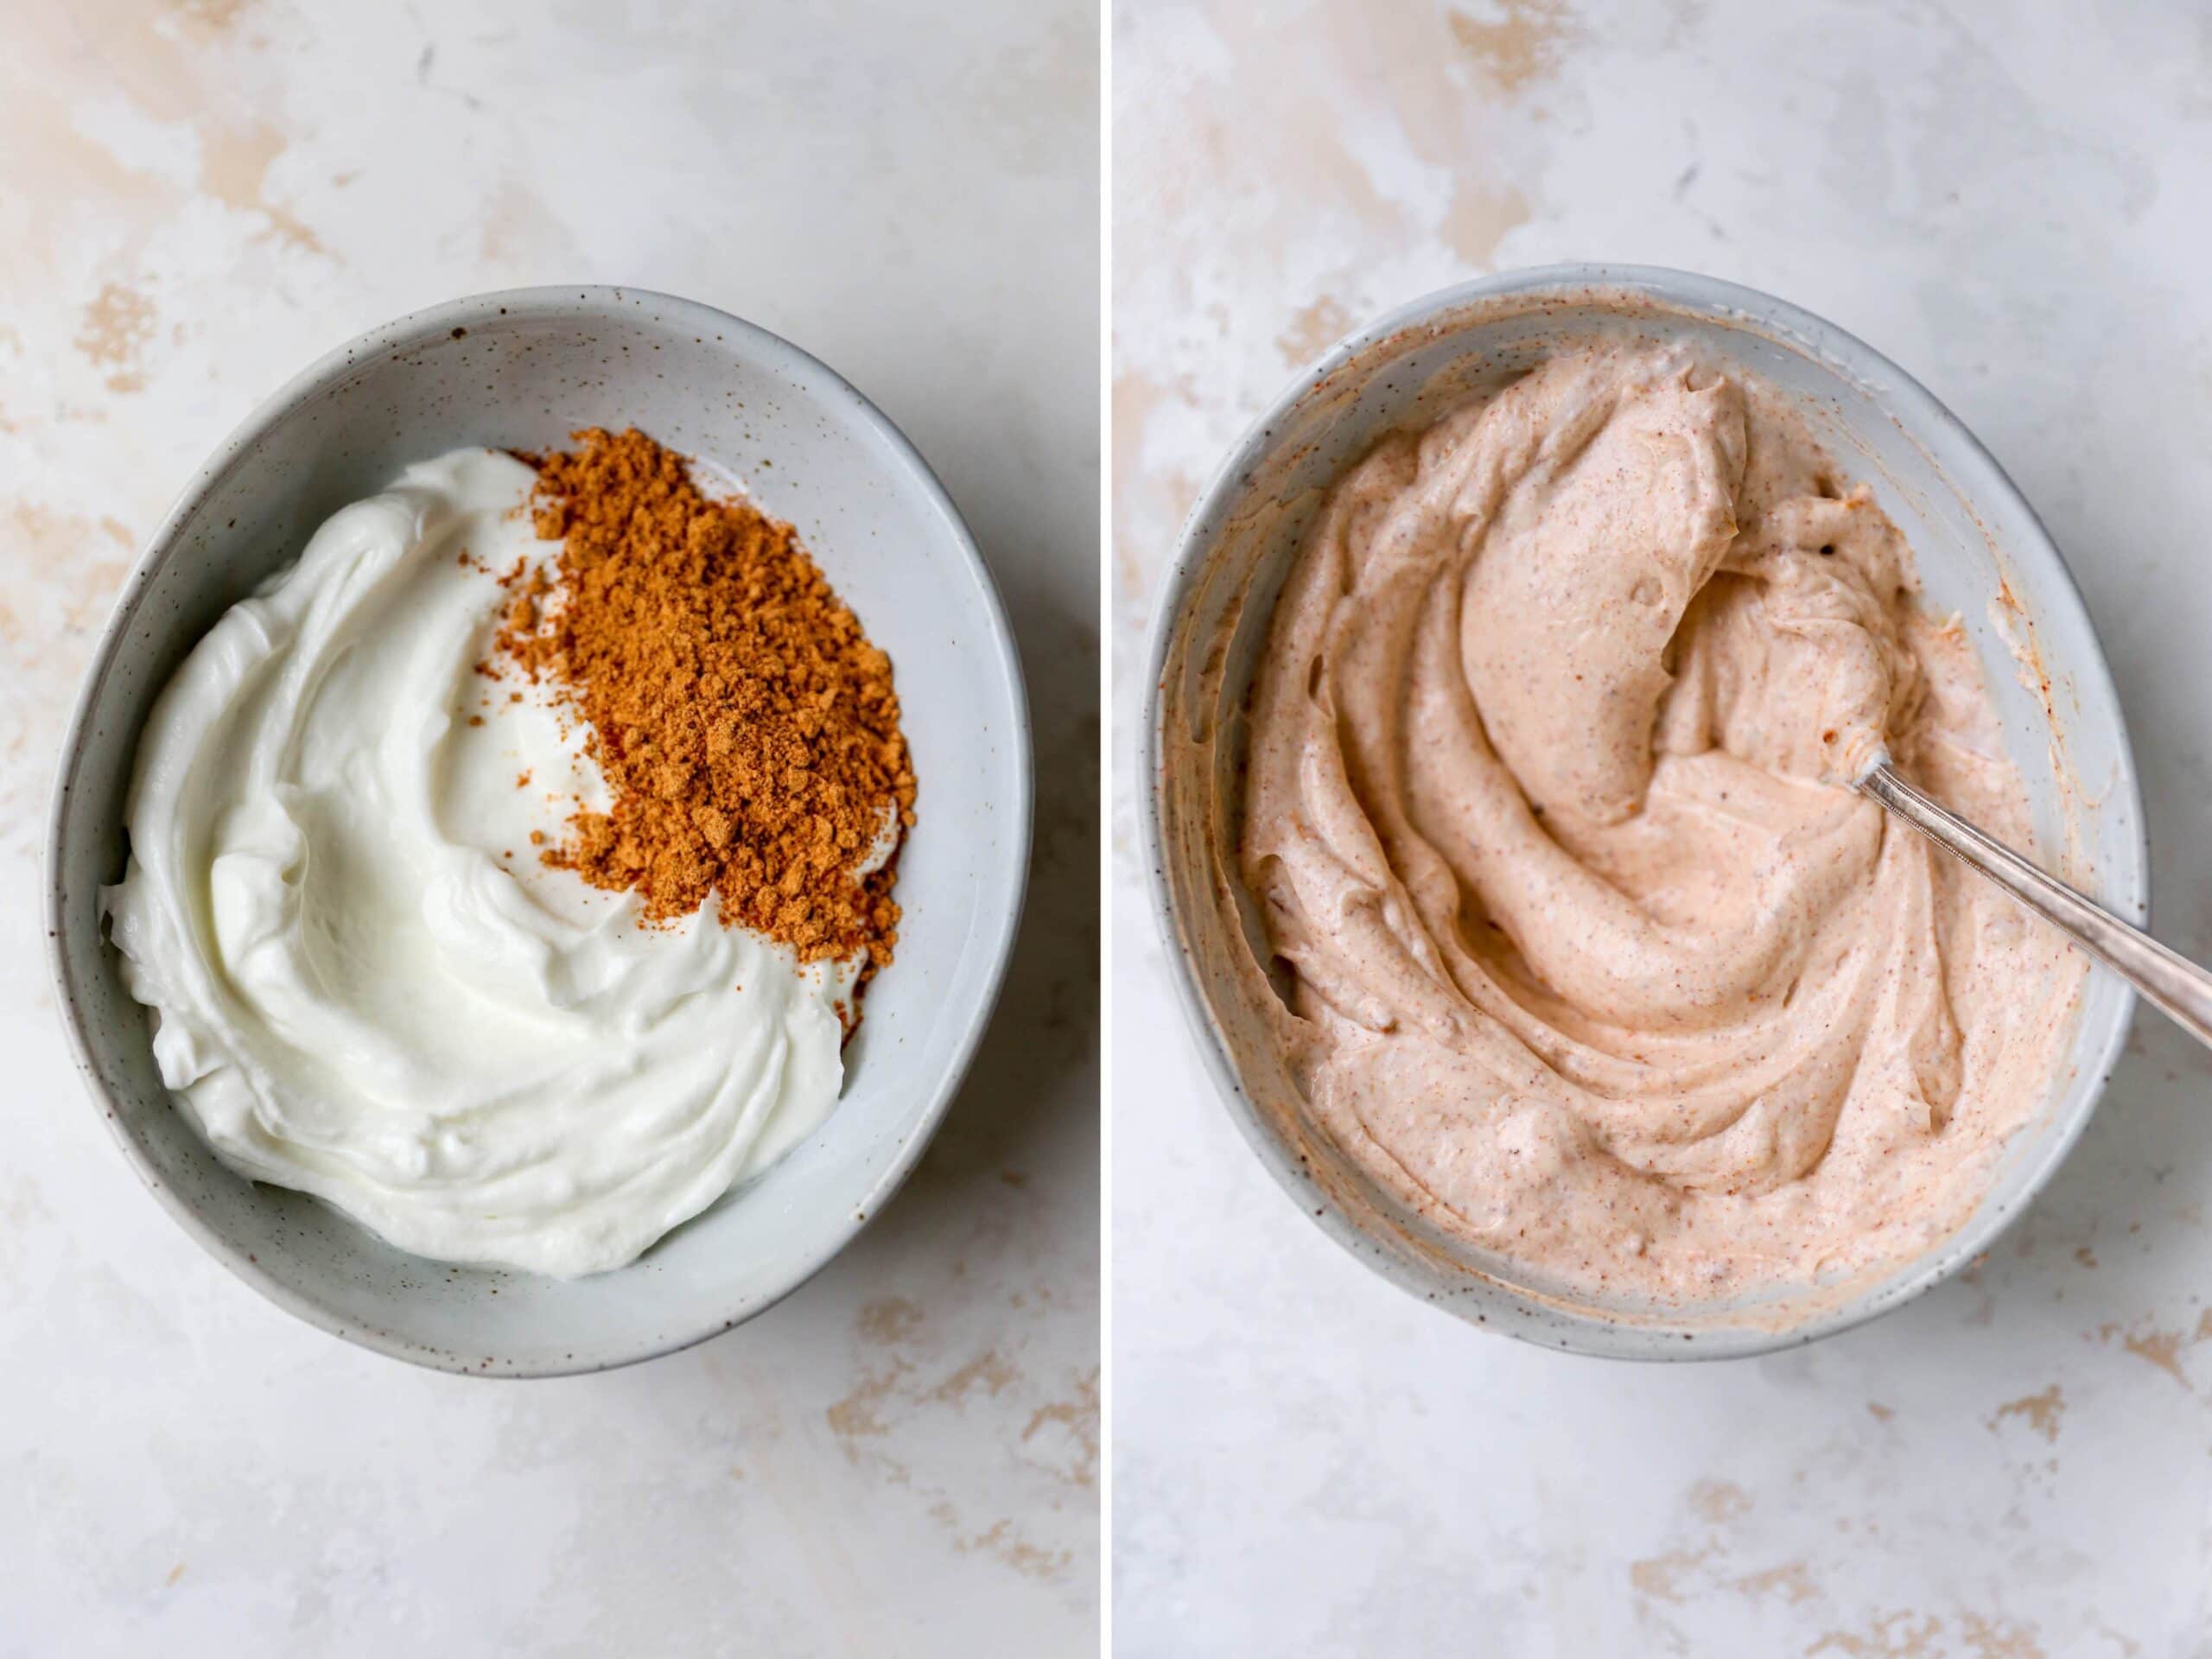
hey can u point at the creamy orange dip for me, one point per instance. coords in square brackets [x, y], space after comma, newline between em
[1597, 960]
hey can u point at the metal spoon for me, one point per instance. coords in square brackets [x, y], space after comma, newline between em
[2177, 986]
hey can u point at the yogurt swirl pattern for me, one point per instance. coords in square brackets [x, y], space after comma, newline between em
[1601, 967]
[367, 985]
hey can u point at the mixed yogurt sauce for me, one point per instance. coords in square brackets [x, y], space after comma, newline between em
[368, 986]
[1597, 960]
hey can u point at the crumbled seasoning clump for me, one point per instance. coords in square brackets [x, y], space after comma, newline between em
[748, 730]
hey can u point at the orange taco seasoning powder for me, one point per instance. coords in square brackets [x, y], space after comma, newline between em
[748, 730]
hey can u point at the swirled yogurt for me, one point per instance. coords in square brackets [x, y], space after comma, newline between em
[366, 984]
[1598, 964]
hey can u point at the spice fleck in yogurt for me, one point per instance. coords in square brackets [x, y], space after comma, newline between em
[504, 872]
[1599, 964]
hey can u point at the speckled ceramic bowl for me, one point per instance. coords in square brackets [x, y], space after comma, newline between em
[1975, 538]
[521, 369]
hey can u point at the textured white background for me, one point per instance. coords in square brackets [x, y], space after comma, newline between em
[196, 198]
[2013, 201]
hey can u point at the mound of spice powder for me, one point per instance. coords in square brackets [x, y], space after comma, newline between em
[748, 730]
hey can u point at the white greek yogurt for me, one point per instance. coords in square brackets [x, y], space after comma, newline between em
[366, 984]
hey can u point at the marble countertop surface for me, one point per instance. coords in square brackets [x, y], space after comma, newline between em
[2018, 1466]
[197, 198]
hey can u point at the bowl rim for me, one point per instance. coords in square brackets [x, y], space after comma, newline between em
[1922, 414]
[419, 328]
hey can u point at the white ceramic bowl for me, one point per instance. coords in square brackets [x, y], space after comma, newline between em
[1976, 538]
[521, 369]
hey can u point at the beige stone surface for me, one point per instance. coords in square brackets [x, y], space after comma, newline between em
[2011, 199]
[197, 197]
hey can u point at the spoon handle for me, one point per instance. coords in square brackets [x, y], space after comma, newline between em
[2175, 985]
